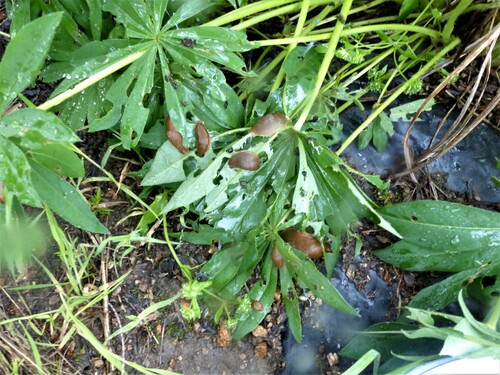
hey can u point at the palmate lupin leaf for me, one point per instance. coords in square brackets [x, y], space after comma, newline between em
[172, 72]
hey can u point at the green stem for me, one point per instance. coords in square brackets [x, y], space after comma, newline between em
[398, 92]
[292, 8]
[325, 64]
[362, 8]
[26, 101]
[91, 80]
[185, 269]
[291, 47]
[348, 32]
[453, 16]
[5, 35]
[493, 319]
[254, 8]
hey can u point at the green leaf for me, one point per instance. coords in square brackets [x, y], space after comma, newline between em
[36, 128]
[301, 67]
[187, 10]
[167, 166]
[386, 338]
[134, 16]
[401, 112]
[24, 56]
[15, 173]
[19, 14]
[407, 7]
[60, 159]
[441, 294]
[309, 276]
[64, 199]
[291, 303]
[441, 236]
[215, 44]
[224, 265]
[365, 137]
[16, 247]
[197, 186]
[95, 18]
[263, 291]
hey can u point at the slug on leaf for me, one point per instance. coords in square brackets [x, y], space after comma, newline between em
[203, 140]
[269, 124]
[244, 160]
[277, 258]
[304, 242]
[174, 136]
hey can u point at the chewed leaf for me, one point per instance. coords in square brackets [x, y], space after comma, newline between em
[306, 188]
[168, 166]
[211, 43]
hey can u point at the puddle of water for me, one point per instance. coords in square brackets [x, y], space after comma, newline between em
[326, 330]
[469, 165]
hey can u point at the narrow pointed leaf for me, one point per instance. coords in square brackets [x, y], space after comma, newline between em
[64, 199]
[15, 173]
[24, 56]
[36, 128]
[59, 159]
[441, 236]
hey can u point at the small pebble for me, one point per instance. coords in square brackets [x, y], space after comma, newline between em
[259, 331]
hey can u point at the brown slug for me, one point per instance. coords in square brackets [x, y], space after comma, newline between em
[244, 160]
[277, 258]
[269, 124]
[256, 305]
[304, 242]
[202, 138]
[174, 136]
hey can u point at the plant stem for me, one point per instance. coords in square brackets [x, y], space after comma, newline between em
[185, 269]
[398, 92]
[453, 16]
[493, 319]
[91, 80]
[290, 48]
[5, 35]
[325, 64]
[254, 8]
[348, 32]
[292, 8]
